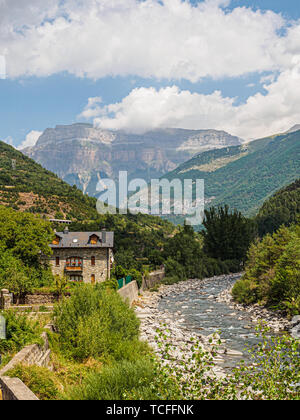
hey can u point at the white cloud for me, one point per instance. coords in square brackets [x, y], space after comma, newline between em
[170, 39]
[147, 108]
[9, 140]
[92, 109]
[30, 139]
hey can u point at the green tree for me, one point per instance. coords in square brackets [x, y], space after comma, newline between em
[228, 234]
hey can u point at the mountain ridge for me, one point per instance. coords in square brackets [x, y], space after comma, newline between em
[256, 171]
[81, 154]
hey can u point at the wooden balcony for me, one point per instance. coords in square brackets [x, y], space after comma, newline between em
[72, 269]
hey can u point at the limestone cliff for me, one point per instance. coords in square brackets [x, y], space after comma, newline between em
[81, 154]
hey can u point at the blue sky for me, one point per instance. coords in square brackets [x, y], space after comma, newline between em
[218, 90]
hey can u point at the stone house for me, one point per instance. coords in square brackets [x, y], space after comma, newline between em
[82, 256]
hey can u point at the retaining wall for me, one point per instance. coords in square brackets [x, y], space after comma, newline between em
[13, 388]
[40, 299]
[153, 279]
[129, 292]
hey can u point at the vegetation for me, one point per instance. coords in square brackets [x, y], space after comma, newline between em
[96, 323]
[227, 235]
[272, 274]
[263, 167]
[27, 186]
[20, 332]
[23, 237]
[122, 368]
[272, 375]
[282, 208]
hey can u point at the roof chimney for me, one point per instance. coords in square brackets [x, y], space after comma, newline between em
[66, 231]
[104, 236]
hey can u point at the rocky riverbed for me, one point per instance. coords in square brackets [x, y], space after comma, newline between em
[201, 309]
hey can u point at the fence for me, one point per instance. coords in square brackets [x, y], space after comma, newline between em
[124, 281]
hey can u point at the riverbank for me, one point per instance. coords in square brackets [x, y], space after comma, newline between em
[274, 320]
[197, 309]
[181, 337]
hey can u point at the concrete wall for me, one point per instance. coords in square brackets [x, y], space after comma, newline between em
[13, 388]
[153, 279]
[130, 292]
[31, 355]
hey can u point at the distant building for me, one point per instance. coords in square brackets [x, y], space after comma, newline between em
[82, 256]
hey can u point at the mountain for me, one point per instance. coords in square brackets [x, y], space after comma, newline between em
[294, 128]
[245, 176]
[81, 154]
[282, 208]
[27, 186]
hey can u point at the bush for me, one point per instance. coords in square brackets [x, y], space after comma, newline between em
[20, 332]
[114, 382]
[41, 381]
[175, 269]
[111, 284]
[272, 275]
[245, 291]
[171, 280]
[94, 322]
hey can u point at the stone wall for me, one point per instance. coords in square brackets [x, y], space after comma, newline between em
[130, 292]
[41, 299]
[153, 279]
[5, 299]
[101, 269]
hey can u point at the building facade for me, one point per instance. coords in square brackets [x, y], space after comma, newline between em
[82, 256]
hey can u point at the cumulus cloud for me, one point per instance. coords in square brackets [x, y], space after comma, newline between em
[30, 139]
[92, 108]
[147, 108]
[9, 140]
[170, 39]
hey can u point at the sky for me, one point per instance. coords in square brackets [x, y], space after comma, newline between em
[137, 65]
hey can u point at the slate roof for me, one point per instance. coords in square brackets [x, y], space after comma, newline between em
[82, 240]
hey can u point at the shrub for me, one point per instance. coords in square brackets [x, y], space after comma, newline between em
[93, 323]
[20, 332]
[114, 381]
[245, 291]
[41, 381]
[175, 269]
[272, 273]
[111, 284]
[171, 280]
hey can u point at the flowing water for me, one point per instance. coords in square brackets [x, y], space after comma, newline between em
[200, 312]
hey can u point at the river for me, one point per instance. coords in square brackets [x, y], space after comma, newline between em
[199, 311]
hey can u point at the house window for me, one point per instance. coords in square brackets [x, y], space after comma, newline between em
[74, 263]
[94, 239]
[93, 279]
[76, 279]
[57, 261]
[56, 241]
[93, 261]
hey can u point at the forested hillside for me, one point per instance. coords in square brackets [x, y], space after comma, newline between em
[245, 176]
[27, 186]
[282, 208]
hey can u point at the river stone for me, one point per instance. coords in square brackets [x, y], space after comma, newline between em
[295, 320]
[295, 332]
[231, 352]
